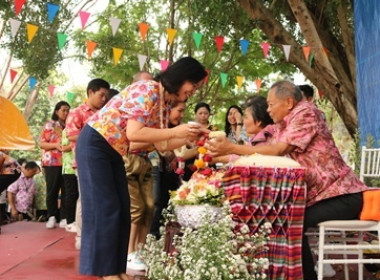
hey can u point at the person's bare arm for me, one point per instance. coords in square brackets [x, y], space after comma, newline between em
[50, 146]
[11, 200]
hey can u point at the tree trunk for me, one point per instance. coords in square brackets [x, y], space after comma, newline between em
[329, 74]
[31, 101]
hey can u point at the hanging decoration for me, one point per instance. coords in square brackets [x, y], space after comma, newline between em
[114, 22]
[306, 52]
[18, 6]
[286, 49]
[164, 64]
[223, 78]
[244, 46]
[31, 30]
[142, 59]
[90, 48]
[52, 11]
[143, 30]
[13, 74]
[197, 39]
[116, 55]
[205, 80]
[61, 40]
[70, 96]
[171, 33]
[51, 90]
[15, 25]
[258, 85]
[32, 82]
[83, 18]
[239, 81]
[219, 41]
[265, 46]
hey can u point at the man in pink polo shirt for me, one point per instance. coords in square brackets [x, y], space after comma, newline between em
[333, 190]
[97, 93]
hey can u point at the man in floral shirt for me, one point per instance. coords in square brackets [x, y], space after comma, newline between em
[333, 190]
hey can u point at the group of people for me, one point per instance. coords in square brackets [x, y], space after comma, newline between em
[120, 153]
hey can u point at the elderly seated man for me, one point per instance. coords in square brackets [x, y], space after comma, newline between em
[333, 190]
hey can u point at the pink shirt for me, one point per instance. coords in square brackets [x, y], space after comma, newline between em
[76, 120]
[25, 189]
[327, 173]
[140, 102]
[51, 133]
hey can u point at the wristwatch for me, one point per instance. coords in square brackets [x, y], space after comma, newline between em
[240, 124]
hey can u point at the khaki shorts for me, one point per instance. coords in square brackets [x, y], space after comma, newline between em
[140, 184]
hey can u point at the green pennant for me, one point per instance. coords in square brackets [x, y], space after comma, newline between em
[70, 96]
[311, 58]
[61, 39]
[223, 78]
[197, 38]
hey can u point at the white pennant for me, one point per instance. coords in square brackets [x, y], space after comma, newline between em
[15, 25]
[286, 51]
[115, 22]
[142, 60]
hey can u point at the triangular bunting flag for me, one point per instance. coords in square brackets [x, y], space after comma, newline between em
[324, 51]
[320, 94]
[61, 40]
[51, 90]
[205, 80]
[258, 85]
[70, 96]
[311, 58]
[143, 29]
[286, 49]
[223, 78]
[15, 25]
[18, 6]
[83, 18]
[117, 54]
[219, 41]
[164, 64]
[90, 48]
[31, 29]
[114, 22]
[32, 82]
[13, 74]
[244, 46]
[197, 39]
[239, 80]
[265, 46]
[171, 33]
[52, 11]
[142, 60]
[306, 52]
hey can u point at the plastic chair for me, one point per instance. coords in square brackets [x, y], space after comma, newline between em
[369, 167]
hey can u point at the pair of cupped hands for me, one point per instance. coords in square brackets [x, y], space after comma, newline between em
[193, 131]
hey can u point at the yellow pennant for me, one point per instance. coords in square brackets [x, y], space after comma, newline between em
[31, 30]
[117, 54]
[239, 80]
[171, 33]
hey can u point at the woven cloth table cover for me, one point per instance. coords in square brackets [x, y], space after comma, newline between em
[277, 195]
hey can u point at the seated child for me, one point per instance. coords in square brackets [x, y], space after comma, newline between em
[21, 192]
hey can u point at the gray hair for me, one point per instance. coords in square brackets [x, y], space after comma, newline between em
[284, 88]
[138, 76]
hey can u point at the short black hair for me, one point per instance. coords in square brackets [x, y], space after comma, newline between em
[185, 69]
[21, 161]
[58, 106]
[111, 93]
[97, 84]
[257, 105]
[31, 165]
[307, 90]
[202, 105]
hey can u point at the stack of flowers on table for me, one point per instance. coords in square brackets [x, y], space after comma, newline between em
[203, 244]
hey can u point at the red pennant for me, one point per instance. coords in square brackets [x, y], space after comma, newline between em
[13, 74]
[51, 90]
[306, 52]
[219, 40]
[18, 5]
[320, 93]
[205, 80]
[265, 46]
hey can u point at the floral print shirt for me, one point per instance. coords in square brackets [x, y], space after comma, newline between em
[327, 173]
[76, 119]
[67, 157]
[25, 189]
[140, 102]
[10, 165]
[51, 133]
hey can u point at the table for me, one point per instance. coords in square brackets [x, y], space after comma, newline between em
[277, 195]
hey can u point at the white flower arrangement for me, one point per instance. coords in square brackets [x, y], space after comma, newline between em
[212, 251]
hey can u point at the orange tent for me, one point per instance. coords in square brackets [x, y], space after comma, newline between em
[14, 131]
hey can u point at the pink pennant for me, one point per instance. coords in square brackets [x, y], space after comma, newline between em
[205, 80]
[18, 5]
[164, 64]
[51, 90]
[84, 17]
[258, 85]
[265, 46]
[13, 74]
[219, 40]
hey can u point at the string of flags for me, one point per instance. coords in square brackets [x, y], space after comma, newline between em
[53, 9]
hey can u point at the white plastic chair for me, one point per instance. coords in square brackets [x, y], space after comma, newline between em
[369, 167]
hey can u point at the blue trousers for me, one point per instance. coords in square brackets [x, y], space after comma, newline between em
[105, 206]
